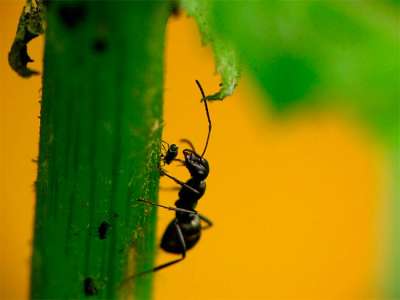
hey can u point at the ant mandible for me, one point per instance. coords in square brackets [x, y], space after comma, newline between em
[184, 231]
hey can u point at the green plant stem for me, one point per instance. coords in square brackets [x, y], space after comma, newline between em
[99, 149]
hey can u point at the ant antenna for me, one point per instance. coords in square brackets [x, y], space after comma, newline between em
[204, 99]
[189, 143]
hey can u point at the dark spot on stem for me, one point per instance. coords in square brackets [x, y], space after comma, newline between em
[103, 230]
[89, 287]
[72, 14]
[99, 45]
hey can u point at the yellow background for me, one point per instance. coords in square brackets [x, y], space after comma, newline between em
[297, 202]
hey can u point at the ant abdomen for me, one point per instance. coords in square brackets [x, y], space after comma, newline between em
[191, 232]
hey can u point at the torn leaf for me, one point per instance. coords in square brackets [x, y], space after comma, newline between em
[225, 58]
[31, 24]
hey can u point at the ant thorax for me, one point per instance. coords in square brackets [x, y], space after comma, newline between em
[188, 198]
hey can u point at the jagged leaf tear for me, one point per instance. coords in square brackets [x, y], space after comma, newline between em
[225, 58]
[31, 24]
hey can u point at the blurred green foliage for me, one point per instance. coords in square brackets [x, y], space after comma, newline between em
[309, 53]
[317, 51]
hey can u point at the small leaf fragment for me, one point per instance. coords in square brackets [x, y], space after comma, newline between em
[31, 24]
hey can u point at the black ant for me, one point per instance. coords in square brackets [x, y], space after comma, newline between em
[184, 231]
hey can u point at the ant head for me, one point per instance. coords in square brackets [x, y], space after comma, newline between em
[197, 165]
[173, 147]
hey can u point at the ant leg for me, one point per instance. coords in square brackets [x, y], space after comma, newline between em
[160, 267]
[206, 220]
[163, 143]
[180, 160]
[183, 244]
[172, 188]
[163, 149]
[163, 172]
[169, 207]
[175, 159]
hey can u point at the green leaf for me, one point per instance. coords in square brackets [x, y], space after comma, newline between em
[225, 58]
[326, 52]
